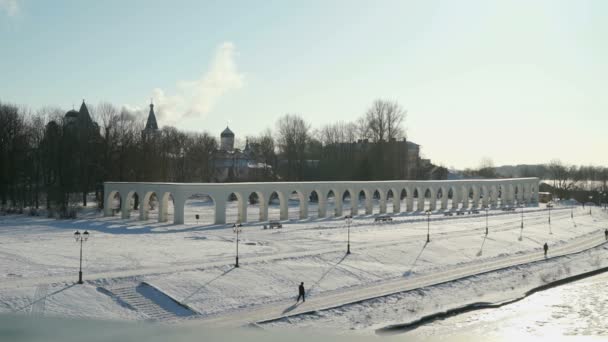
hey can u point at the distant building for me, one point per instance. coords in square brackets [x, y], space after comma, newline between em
[151, 128]
[232, 164]
[80, 121]
[402, 156]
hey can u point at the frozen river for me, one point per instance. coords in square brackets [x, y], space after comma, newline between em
[575, 309]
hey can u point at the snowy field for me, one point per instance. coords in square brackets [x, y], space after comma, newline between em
[187, 270]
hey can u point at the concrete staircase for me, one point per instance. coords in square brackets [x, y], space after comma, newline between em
[153, 311]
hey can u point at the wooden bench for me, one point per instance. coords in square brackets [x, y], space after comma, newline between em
[274, 224]
[383, 219]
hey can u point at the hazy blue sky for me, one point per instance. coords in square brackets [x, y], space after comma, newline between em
[517, 81]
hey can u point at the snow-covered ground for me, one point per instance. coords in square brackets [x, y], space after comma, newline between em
[192, 264]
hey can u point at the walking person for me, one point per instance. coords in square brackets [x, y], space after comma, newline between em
[546, 248]
[301, 293]
[606, 234]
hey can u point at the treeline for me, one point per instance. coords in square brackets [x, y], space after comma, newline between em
[53, 158]
[563, 180]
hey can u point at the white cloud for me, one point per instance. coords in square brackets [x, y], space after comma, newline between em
[197, 97]
[11, 7]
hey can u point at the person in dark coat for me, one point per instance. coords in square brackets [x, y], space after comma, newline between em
[301, 293]
[546, 248]
[606, 234]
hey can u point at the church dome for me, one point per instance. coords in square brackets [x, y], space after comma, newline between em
[227, 133]
[71, 114]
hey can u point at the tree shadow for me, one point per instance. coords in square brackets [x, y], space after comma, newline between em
[205, 285]
[113, 225]
[409, 272]
[45, 297]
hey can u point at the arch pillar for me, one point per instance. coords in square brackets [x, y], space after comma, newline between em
[396, 202]
[220, 209]
[476, 196]
[163, 206]
[409, 200]
[125, 208]
[322, 204]
[338, 203]
[354, 203]
[303, 205]
[263, 200]
[107, 208]
[369, 202]
[179, 202]
[464, 197]
[421, 196]
[433, 199]
[494, 196]
[485, 200]
[455, 194]
[382, 200]
[284, 208]
[242, 205]
[444, 199]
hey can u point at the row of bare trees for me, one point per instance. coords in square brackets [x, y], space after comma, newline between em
[49, 157]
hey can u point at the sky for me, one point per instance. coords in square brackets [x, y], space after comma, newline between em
[515, 81]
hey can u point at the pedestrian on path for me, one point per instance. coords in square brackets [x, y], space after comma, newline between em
[546, 248]
[606, 234]
[301, 293]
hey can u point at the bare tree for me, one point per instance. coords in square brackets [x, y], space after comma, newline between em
[384, 120]
[293, 135]
[564, 177]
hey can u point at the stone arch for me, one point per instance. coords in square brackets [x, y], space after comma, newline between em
[128, 204]
[442, 197]
[403, 199]
[394, 197]
[277, 206]
[367, 203]
[417, 197]
[427, 196]
[315, 201]
[148, 206]
[380, 196]
[203, 205]
[297, 210]
[452, 196]
[113, 202]
[348, 202]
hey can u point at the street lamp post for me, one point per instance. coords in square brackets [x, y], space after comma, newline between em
[428, 226]
[237, 229]
[549, 215]
[81, 238]
[590, 198]
[349, 220]
[487, 210]
[522, 217]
